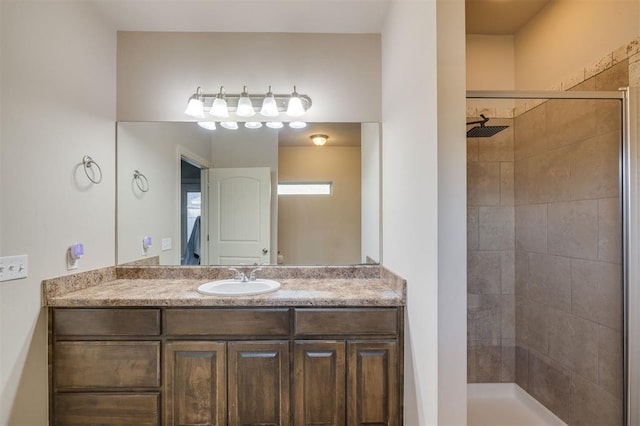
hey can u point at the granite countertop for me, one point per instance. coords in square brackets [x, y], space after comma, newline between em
[166, 286]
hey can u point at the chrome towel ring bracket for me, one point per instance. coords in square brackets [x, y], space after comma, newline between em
[88, 164]
[141, 181]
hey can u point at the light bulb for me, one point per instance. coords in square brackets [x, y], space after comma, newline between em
[297, 124]
[209, 125]
[253, 124]
[295, 108]
[245, 107]
[230, 125]
[269, 105]
[275, 124]
[219, 107]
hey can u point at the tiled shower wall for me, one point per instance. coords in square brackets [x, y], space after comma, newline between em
[490, 257]
[568, 254]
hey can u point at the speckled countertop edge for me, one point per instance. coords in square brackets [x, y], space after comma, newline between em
[360, 285]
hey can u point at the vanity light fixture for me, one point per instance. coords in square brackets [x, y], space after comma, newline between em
[297, 124]
[275, 124]
[252, 124]
[209, 125]
[229, 125]
[270, 104]
[318, 139]
[195, 107]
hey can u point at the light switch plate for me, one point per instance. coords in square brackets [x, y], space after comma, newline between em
[14, 267]
[166, 244]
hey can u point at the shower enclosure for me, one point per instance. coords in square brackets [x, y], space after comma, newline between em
[547, 249]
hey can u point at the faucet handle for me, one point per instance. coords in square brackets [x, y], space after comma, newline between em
[252, 275]
[240, 276]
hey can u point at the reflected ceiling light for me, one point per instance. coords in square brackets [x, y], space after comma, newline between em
[195, 107]
[245, 107]
[272, 104]
[219, 106]
[253, 124]
[294, 107]
[229, 125]
[319, 140]
[275, 124]
[209, 125]
[269, 105]
[297, 124]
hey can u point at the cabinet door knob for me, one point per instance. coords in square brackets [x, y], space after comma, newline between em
[265, 251]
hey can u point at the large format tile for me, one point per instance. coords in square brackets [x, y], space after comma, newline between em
[593, 406]
[483, 362]
[507, 272]
[549, 280]
[570, 120]
[472, 148]
[531, 227]
[530, 137]
[498, 147]
[506, 184]
[484, 318]
[609, 116]
[483, 183]
[522, 273]
[610, 371]
[508, 316]
[496, 228]
[521, 182]
[522, 367]
[549, 176]
[508, 361]
[609, 230]
[596, 292]
[472, 228]
[484, 272]
[550, 385]
[595, 167]
[573, 229]
[573, 342]
[613, 78]
[536, 327]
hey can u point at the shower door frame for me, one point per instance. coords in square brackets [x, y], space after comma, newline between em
[629, 199]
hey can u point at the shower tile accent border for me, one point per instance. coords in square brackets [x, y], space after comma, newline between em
[630, 51]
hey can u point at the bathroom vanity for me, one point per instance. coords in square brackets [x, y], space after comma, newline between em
[135, 349]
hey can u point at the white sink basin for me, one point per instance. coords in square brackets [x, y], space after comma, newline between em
[238, 288]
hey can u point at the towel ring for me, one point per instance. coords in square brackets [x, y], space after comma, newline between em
[141, 181]
[88, 163]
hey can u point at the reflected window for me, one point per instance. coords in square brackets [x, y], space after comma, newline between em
[304, 188]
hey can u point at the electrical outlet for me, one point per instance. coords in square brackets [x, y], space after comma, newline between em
[14, 267]
[166, 244]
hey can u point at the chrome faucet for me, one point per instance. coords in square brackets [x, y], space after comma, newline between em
[252, 275]
[239, 276]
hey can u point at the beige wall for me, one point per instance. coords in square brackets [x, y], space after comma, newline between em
[152, 149]
[320, 229]
[157, 72]
[568, 35]
[58, 104]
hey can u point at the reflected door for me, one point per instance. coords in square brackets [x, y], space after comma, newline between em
[240, 205]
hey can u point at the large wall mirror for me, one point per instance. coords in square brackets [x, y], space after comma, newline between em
[192, 196]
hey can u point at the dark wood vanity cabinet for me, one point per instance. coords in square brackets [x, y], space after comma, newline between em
[226, 366]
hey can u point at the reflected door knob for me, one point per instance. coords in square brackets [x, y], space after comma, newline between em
[265, 251]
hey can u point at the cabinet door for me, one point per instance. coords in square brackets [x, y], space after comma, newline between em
[372, 383]
[195, 384]
[319, 383]
[258, 383]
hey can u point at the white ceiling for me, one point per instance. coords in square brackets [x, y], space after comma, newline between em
[310, 16]
[500, 17]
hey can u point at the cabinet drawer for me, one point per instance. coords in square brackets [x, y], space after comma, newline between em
[227, 322]
[107, 322]
[106, 409]
[315, 322]
[106, 365]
